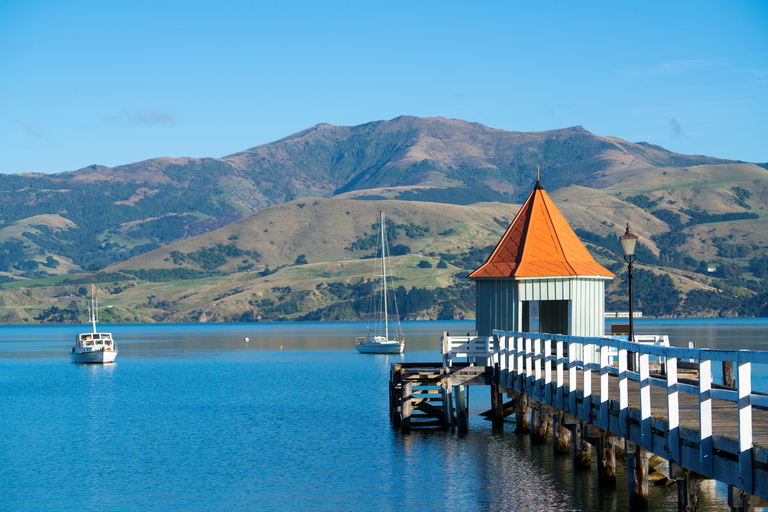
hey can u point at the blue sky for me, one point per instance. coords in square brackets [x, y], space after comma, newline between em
[118, 82]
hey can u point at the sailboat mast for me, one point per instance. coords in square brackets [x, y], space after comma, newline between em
[93, 307]
[384, 274]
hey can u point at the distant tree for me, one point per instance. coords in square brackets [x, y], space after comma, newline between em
[399, 250]
[301, 259]
[424, 264]
[442, 264]
[759, 266]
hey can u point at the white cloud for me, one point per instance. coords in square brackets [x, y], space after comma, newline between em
[682, 66]
[31, 130]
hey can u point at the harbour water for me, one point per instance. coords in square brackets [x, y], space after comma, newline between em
[194, 417]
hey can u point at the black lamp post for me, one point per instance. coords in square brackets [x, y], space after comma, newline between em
[629, 242]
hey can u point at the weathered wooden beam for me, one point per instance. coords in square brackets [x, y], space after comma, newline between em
[561, 436]
[606, 460]
[582, 449]
[522, 415]
[637, 478]
[405, 408]
[497, 400]
[447, 392]
[539, 425]
[688, 487]
[462, 416]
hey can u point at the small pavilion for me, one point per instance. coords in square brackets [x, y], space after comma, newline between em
[540, 259]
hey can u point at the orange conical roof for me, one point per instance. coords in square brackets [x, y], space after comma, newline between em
[540, 243]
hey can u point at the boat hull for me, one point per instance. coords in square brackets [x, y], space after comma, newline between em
[95, 357]
[392, 347]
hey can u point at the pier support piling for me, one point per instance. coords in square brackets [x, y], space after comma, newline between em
[582, 449]
[606, 460]
[497, 399]
[637, 476]
[522, 414]
[462, 416]
[688, 488]
[561, 436]
[447, 394]
[405, 408]
[539, 424]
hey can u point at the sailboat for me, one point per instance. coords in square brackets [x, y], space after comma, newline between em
[94, 347]
[380, 339]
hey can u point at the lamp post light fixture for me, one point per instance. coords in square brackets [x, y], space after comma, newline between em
[629, 243]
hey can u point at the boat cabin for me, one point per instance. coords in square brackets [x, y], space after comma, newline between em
[94, 339]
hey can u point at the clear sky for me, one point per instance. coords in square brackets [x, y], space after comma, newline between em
[117, 82]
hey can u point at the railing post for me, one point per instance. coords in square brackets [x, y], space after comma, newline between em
[623, 394]
[537, 391]
[519, 381]
[646, 440]
[504, 358]
[604, 397]
[572, 378]
[745, 426]
[559, 373]
[673, 411]
[446, 350]
[528, 366]
[705, 417]
[586, 403]
[548, 371]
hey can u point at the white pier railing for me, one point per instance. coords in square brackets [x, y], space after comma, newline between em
[550, 369]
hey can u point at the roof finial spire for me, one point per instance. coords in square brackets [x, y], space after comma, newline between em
[538, 175]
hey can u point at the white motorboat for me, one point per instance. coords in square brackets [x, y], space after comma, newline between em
[379, 339]
[94, 347]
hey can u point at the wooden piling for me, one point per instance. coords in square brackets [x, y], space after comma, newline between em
[539, 424]
[637, 478]
[561, 436]
[405, 408]
[462, 416]
[606, 460]
[688, 487]
[582, 449]
[497, 399]
[395, 395]
[522, 414]
[447, 393]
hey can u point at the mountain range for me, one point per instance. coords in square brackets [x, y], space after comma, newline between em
[129, 217]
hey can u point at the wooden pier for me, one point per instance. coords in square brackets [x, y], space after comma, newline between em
[669, 409]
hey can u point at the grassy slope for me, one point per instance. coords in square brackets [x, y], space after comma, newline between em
[322, 228]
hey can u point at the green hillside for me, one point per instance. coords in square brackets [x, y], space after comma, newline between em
[310, 260]
[283, 231]
[90, 218]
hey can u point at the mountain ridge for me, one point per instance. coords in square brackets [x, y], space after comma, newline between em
[114, 213]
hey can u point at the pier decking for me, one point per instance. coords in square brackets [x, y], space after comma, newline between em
[669, 407]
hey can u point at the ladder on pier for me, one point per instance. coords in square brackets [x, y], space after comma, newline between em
[420, 396]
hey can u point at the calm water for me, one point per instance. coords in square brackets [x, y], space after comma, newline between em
[192, 417]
